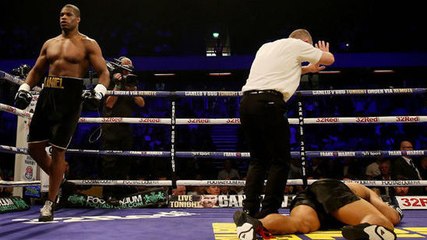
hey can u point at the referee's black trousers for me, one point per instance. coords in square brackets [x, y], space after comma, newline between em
[266, 127]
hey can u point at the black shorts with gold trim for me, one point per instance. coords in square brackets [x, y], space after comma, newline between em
[325, 196]
[57, 111]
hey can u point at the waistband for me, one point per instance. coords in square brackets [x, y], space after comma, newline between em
[267, 91]
[62, 82]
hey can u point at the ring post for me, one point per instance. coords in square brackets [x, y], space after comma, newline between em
[301, 139]
[173, 149]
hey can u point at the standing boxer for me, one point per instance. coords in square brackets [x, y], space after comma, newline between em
[68, 57]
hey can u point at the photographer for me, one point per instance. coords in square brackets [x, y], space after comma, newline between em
[118, 136]
[123, 80]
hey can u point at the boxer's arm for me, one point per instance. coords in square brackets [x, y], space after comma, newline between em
[23, 96]
[98, 63]
[393, 214]
[38, 71]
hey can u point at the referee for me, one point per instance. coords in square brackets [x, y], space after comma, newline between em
[274, 77]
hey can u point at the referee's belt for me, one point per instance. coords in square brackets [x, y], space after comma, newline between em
[267, 91]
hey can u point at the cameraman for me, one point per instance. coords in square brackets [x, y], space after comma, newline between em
[118, 136]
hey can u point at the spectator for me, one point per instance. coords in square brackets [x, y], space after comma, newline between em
[210, 196]
[141, 188]
[348, 167]
[179, 190]
[423, 168]
[318, 168]
[228, 172]
[208, 201]
[404, 167]
[401, 190]
[385, 174]
[373, 169]
[5, 191]
[213, 190]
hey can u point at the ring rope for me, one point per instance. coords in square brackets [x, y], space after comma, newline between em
[309, 93]
[230, 121]
[305, 93]
[233, 121]
[168, 183]
[4, 183]
[382, 91]
[381, 183]
[224, 155]
[14, 79]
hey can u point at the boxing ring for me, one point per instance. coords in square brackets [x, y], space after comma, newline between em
[201, 223]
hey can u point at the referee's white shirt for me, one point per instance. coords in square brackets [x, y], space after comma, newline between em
[277, 66]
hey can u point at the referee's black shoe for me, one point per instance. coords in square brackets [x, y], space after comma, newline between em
[248, 227]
